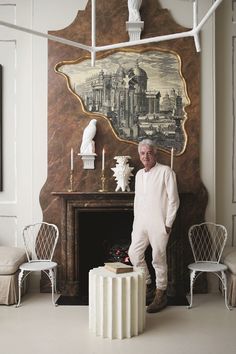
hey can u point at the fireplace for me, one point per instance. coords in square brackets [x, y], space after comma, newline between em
[92, 225]
[103, 236]
[96, 228]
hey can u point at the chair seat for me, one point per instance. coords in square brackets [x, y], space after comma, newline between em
[207, 267]
[37, 266]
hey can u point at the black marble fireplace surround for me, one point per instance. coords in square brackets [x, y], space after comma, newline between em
[93, 223]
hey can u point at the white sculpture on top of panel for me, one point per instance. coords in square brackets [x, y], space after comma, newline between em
[134, 25]
[122, 173]
[88, 144]
[87, 148]
[134, 6]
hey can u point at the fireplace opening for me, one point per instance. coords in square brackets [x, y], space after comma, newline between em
[103, 236]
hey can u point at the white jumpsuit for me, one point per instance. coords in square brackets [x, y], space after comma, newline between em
[155, 205]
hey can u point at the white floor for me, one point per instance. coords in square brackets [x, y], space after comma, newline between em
[39, 328]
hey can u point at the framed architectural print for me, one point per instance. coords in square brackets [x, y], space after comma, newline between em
[143, 94]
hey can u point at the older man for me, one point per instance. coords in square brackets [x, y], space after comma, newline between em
[155, 205]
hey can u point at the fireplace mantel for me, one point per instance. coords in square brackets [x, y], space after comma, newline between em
[93, 196]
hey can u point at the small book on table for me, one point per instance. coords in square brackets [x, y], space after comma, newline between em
[118, 267]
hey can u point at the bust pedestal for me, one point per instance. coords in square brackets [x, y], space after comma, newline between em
[116, 303]
[88, 161]
[134, 29]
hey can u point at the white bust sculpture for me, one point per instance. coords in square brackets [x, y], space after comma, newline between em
[88, 145]
[134, 6]
[122, 173]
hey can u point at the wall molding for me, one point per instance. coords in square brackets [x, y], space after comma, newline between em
[8, 209]
[233, 230]
[234, 118]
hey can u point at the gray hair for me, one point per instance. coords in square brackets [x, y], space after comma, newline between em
[147, 142]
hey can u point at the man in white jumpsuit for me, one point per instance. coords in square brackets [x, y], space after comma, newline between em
[155, 206]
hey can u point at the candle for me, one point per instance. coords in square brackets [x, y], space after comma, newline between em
[103, 159]
[172, 158]
[72, 159]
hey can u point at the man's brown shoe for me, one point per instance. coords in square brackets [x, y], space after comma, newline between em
[159, 302]
[150, 293]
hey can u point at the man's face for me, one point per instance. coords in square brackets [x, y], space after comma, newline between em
[147, 157]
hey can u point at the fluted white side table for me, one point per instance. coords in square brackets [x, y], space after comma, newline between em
[117, 303]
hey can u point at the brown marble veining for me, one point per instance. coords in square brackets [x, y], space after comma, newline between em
[67, 120]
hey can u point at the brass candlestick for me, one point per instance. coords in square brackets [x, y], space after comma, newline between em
[71, 181]
[103, 180]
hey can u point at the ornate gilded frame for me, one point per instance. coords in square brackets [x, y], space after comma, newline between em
[117, 89]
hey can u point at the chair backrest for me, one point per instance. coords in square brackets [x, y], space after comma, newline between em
[207, 241]
[40, 241]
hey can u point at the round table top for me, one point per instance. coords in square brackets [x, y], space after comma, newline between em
[104, 272]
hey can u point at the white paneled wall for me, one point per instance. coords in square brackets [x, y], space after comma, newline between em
[24, 61]
[226, 117]
[8, 197]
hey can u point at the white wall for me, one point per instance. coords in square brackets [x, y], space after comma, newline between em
[24, 59]
[15, 54]
[226, 117]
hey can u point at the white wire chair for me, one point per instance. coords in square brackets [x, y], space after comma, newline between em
[40, 241]
[207, 242]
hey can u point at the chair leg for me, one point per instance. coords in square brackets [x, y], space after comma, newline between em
[20, 278]
[52, 279]
[55, 280]
[192, 277]
[224, 283]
